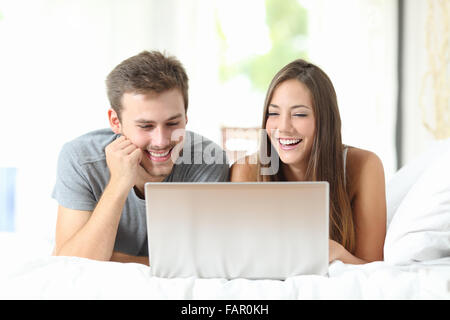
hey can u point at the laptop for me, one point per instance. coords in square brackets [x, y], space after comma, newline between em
[270, 230]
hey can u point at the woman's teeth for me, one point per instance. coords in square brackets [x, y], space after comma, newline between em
[289, 141]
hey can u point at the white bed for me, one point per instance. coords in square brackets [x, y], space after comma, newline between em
[416, 266]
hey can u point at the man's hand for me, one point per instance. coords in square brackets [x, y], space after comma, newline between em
[123, 159]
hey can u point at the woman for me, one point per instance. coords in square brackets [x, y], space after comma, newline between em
[303, 136]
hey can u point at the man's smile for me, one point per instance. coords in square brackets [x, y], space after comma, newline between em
[160, 155]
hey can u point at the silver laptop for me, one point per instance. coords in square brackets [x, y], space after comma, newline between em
[270, 230]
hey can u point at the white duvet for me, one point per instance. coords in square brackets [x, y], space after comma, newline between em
[78, 278]
[416, 266]
[27, 271]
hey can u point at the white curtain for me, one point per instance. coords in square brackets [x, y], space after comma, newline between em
[355, 42]
[426, 74]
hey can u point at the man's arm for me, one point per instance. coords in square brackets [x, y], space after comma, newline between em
[123, 257]
[92, 234]
[71, 222]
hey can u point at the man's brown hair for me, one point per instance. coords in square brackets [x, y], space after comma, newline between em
[145, 73]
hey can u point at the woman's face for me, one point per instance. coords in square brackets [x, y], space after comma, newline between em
[290, 122]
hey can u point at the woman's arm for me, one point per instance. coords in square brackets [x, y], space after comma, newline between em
[244, 171]
[369, 210]
[338, 252]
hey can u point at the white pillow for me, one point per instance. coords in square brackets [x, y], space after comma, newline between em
[420, 228]
[403, 180]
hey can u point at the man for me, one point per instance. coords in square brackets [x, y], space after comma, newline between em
[101, 175]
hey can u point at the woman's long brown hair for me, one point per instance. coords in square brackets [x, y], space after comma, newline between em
[326, 159]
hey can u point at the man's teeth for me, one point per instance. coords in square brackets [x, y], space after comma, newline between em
[155, 154]
[290, 141]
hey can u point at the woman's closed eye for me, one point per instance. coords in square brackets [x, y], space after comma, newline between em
[300, 115]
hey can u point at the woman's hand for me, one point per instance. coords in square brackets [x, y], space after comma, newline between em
[337, 251]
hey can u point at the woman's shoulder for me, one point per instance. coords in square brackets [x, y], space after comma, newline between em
[359, 157]
[362, 167]
[245, 169]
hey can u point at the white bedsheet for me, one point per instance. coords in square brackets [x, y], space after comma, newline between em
[78, 278]
[28, 271]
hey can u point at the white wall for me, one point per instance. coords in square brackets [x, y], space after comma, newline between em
[54, 58]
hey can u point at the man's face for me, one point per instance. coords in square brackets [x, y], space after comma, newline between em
[154, 122]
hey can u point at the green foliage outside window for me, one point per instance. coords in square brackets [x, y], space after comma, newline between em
[287, 23]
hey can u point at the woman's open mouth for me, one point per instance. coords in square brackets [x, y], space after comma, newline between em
[289, 144]
[159, 156]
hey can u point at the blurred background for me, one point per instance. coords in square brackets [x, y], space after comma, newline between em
[388, 60]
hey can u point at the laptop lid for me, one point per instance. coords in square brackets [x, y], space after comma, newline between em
[270, 230]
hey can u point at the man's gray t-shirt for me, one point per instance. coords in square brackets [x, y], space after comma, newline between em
[82, 176]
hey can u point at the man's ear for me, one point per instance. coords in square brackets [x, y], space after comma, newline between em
[186, 119]
[114, 121]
